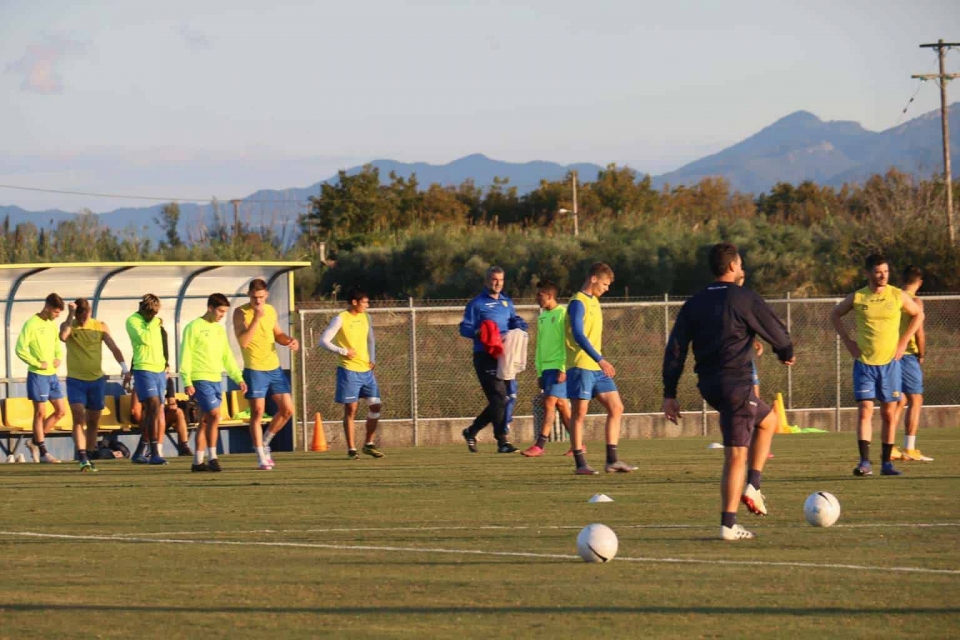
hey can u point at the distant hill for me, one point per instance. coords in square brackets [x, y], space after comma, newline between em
[802, 147]
[793, 149]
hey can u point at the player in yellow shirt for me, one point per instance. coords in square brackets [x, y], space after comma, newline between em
[876, 353]
[912, 375]
[204, 357]
[257, 331]
[350, 335]
[83, 335]
[40, 350]
[589, 374]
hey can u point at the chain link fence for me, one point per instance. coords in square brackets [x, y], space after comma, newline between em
[425, 371]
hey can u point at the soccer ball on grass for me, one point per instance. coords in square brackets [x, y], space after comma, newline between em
[597, 543]
[821, 509]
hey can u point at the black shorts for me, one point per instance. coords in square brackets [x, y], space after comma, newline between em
[740, 410]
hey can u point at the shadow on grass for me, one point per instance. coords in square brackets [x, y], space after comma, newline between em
[497, 611]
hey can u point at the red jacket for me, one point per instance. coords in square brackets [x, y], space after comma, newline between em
[490, 337]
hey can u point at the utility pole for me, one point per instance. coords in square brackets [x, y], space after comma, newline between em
[236, 218]
[943, 77]
[576, 220]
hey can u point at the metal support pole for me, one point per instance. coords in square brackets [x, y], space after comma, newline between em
[414, 410]
[789, 369]
[703, 419]
[838, 385]
[666, 318]
[303, 381]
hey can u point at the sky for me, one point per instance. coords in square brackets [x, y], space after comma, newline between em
[193, 100]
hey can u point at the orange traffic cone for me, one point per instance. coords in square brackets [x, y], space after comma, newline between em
[319, 437]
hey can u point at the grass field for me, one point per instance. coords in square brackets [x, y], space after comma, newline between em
[435, 542]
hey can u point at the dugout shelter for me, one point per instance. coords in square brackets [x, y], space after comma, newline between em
[114, 291]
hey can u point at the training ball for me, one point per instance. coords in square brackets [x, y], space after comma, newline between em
[821, 509]
[597, 543]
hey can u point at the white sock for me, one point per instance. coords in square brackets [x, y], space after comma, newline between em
[909, 442]
[160, 449]
[212, 453]
[261, 455]
[198, 456]
[267, 438]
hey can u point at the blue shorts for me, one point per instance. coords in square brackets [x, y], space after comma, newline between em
[208, 395]
[261, 384]
[41, 388]
[90, 393]
[551, 387]
[150, 384]
[911, 375]
[353, 385]
[755, 379]
[586, 384]
[879, 382]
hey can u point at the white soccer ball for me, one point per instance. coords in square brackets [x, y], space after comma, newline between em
[821, 509]
[597, 543]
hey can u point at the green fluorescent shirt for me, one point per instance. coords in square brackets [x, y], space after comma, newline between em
[147, 343]
[39, 341]
[205, 354]
[551, 341]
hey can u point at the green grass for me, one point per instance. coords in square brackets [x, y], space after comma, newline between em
[152, 579]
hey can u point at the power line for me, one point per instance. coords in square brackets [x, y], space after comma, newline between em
[128, 197]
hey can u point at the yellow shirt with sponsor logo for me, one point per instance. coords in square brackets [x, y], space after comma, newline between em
[260, 354]
[85, 350]
[354, 334]
[878, 323]
[592, 330]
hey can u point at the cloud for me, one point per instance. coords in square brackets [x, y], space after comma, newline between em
[196, 40]
[40, 64]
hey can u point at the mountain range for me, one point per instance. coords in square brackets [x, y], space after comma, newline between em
[795, 148]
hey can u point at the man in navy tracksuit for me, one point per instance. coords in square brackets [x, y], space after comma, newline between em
[493, 305]
[721, 322]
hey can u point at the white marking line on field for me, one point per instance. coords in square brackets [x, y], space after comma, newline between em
[919, 525]
[476, 552]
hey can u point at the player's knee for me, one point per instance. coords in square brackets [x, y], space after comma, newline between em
[616, 407]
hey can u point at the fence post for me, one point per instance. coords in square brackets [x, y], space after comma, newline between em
[303, 381]
[837, 426]
[413, 373]
[789, 369]
[666, 318]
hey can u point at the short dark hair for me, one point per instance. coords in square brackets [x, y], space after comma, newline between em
[875, 260]
[600, 269]
[149, 303]
[912, 274]
[258, 284]
[83, 305]
[356, 293]
[217, 300]
[722, 255]
[54, 301]
[547, 286]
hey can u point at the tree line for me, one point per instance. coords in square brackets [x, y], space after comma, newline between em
[401, 239]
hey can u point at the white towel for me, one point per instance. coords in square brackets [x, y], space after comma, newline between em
[514, 358]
